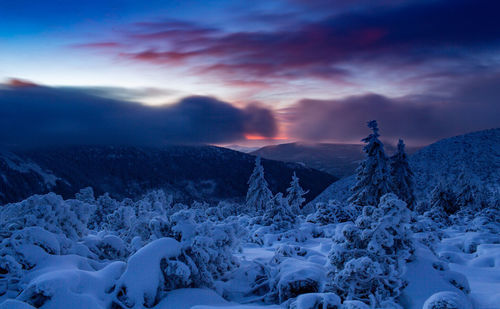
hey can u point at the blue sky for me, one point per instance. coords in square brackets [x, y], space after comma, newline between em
[320, 68]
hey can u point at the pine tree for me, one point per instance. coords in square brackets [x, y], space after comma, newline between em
[258, 194]
[367, 258]
[373, 174]
[295, 195]
[402, 176]
[443, 199]
[467, 192]
[279, 214]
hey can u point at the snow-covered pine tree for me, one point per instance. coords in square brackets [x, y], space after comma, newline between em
[367, 259]
[278, 214]
[467, 194]
[295, 195]
[443, 199]
[258, 195]
[373, 179]
[402, 176]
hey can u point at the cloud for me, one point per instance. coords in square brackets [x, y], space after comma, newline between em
[43, 116]
[473, 104]
[393, 34]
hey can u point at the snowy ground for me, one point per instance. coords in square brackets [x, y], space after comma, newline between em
[52, 257]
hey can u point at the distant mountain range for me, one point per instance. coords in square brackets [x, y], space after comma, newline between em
[476, 154]
[339, 160]
[204, 173]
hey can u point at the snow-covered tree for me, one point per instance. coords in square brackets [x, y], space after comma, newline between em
[443, 199]
[331, 212]
[295, 194]
[373, 177]
[367, 258]
[258, 194]
[278, 213]
[467, 193]
[402, 176]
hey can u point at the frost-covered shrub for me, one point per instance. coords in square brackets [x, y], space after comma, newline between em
[151, 271]
[49, 212]
[439, 216]
[447, 300]
[211, 251]
[367, 258]
[107, 246]
[487, 219]
[333, 212]
[294, 277]
[207, 246]
[316, 301]
[23, 250]
[104, 206]
[34, 228]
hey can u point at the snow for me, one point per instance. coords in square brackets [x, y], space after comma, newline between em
[476, 153]
[20, 165]
[152, 253]
[189, 298]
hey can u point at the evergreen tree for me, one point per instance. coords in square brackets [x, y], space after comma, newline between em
[467, 192]
[279, 214]
[367, 258]
[373, 173]
[295, 195]
[402, 176]
[443, 199]
[258, 195]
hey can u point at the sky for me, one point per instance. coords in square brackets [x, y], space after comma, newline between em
[246, 72]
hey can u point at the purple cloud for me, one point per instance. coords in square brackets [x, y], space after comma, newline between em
[472, 105]
[393, 35]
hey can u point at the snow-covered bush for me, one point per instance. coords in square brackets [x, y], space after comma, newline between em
[210, 252]
[447, 300]
[107, 246]
[367, 258]
[316, 301]
[50, 212]
[151, 271]
[333, 212]
[207, 246]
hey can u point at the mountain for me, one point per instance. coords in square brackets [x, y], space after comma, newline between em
[340, 160]
[188, 172]
[476, 154]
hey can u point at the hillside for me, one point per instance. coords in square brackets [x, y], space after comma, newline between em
[477, 154]
[339, 160]
[188, 172]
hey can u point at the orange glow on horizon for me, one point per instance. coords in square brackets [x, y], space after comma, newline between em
[253, 137]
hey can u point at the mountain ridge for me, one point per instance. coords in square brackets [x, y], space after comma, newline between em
[207, 173]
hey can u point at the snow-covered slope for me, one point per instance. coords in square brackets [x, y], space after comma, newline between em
[21, 175]
[476, 154]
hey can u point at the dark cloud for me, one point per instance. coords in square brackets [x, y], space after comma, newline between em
[473, 105]
[389, 34]
[32, 115]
